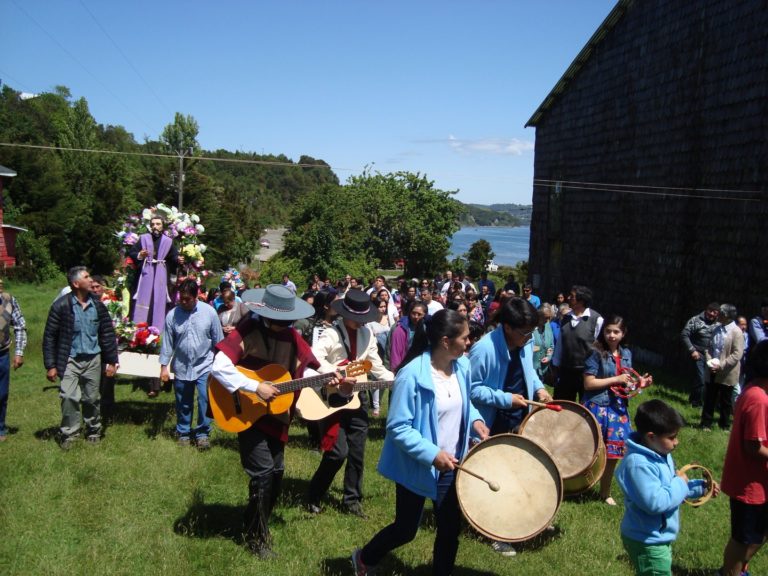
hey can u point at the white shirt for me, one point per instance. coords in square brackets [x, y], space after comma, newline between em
[449, 411]
[558, 353]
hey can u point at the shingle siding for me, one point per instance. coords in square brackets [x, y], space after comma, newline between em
[675, 96]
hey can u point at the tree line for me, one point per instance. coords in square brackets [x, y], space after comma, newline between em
[72, 202]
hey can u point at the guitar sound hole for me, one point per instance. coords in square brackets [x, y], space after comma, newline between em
[337, 400]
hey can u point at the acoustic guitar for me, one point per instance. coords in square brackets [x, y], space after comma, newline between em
[314, 405]
[237, 411]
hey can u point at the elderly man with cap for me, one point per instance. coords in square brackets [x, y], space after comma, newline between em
[345, 432]
[265, 338]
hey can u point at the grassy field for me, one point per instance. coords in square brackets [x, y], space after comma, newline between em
[138, 504]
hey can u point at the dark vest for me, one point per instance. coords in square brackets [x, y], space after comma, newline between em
[577, 342]
[6, 319]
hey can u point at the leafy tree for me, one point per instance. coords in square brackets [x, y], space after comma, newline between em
[181, 135]
[407, 218]
[479, 254]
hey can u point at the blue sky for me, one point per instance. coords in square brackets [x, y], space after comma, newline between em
[443, 88]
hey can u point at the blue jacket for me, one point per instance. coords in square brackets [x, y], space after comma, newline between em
[652, 494]
[490, 359]
[604, 366]
[410, 445]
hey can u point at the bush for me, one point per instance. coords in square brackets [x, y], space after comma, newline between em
[34, 259]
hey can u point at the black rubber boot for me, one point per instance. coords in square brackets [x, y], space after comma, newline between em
[257, 537]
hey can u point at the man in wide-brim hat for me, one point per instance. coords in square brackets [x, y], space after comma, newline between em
[346, 431]
[265, 337]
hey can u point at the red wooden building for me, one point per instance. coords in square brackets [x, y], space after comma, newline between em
[9, 232]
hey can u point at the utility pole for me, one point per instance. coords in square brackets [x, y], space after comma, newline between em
[180, 180]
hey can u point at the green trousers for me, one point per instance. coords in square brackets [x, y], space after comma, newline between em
[649, 559]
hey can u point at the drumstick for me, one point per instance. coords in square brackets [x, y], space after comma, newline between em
[491, 484]
[548, 406]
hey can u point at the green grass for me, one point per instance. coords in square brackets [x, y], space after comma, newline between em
[137, 504]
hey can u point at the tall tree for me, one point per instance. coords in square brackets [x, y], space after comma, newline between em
[478, 256]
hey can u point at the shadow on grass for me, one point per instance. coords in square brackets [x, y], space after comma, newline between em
[152, 413]
[48, 434]
[587, 496]
[392, 565]
[210, 520]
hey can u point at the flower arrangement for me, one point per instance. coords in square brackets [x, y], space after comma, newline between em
[180, 226]
[137, 337]
[233, 277]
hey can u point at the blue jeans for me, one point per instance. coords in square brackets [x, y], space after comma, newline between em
[185, 397]
[699, 376]
[408, 510]
[5, 378]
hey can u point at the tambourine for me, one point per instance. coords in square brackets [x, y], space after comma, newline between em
[632, 389]
[710, 484]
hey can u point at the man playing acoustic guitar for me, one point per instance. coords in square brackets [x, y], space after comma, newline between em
[345, 432]
[260, 340]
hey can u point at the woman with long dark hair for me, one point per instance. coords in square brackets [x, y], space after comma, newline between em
[429, 424]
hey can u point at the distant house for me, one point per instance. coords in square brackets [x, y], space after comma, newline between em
[651, 167]
[9, 232]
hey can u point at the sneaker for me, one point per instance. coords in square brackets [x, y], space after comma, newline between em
[203, 443]
[314, 508]
[359, 568]
[355, 509]
[67, 442]
[3, 437]
[504, 548]
[376, 413]
[93, 439]
[183, 441]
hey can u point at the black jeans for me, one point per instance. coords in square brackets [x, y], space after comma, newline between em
[722, 396]
[260, 455]
[349, 446]
[699, 375]
[408, 510]
[570, 384]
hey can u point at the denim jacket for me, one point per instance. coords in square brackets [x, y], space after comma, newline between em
[604, 366]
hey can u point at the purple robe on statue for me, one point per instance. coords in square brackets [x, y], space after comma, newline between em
[152, 296]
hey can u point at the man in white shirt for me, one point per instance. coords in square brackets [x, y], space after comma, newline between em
[578, 331]
[432, 305]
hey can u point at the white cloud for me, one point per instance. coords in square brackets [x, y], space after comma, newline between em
[500, 146]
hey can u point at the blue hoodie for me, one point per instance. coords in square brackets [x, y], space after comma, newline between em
[653, 493]
[489, 358]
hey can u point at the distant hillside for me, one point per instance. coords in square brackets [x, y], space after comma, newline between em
[496, 215]
[520, 211]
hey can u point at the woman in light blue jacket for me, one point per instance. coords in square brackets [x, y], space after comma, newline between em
[430, 421]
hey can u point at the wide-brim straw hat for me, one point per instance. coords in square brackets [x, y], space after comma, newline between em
[356, 306]
[276, 302]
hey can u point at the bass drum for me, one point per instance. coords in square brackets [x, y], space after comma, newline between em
[530, 488]
[574, 439]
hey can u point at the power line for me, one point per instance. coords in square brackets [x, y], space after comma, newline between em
[569, 182]
[649, 190]
[93, 17]
[172, 156]
[91, 74]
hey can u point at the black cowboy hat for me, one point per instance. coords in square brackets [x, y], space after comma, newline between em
[356, 306]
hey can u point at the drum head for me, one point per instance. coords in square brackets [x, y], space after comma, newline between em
[572, 436]
[530, 488]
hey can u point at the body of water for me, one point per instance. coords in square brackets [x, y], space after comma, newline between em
[510, 245]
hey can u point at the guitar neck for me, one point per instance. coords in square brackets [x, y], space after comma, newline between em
[309, 381]
[372, 385]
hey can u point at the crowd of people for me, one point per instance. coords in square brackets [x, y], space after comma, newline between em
[464, 362]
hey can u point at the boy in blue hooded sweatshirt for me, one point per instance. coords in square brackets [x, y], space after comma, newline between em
[653, 491]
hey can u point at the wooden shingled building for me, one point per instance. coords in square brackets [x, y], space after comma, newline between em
[651, 166]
